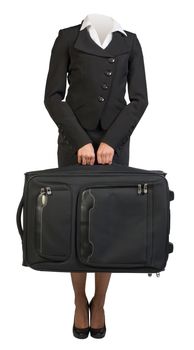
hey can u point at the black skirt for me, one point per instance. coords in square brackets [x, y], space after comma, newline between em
[67, 156]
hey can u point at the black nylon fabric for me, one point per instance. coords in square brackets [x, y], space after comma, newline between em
[93, 218]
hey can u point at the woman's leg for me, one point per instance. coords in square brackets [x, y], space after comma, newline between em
[81, 311]
[101, 284]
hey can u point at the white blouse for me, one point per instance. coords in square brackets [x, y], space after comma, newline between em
[100, 28]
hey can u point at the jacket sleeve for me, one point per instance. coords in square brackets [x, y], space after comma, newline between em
[59, 110]
[124, 124]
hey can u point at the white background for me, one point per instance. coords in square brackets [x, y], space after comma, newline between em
[141, 313]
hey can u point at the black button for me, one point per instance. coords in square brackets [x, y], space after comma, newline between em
[111, 59]
[108, 73]
[100, 98]
[104, 86]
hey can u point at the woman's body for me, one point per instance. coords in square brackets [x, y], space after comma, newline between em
[79, 141]
[67, 156]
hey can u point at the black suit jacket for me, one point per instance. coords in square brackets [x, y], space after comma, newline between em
[97, 83]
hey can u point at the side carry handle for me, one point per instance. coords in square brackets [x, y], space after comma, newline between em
[18, 217]
[171, 194]
[170, 247]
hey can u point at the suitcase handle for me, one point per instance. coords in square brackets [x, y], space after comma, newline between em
[170, 247]
[171, 195]
[18, 217]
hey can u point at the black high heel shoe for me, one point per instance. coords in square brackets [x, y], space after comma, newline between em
[81, 333]
[97, 332]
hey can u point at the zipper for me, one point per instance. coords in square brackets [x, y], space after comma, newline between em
[159, 173]
[72, 172]
[142, 188]
[47, 191]
[102, 173]
[43, 196]
[42, 201]
[156, 172]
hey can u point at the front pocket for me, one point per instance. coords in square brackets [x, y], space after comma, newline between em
[115, 225]
[53, 222]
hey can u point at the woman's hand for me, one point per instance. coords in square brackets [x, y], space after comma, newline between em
[105, 153]
[86, 154]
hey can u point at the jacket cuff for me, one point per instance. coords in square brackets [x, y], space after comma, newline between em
[83, 140]
[111, 141]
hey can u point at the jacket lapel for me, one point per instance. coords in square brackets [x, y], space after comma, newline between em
[119, 44]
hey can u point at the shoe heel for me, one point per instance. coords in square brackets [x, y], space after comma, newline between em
[97, 332]
[81, 333]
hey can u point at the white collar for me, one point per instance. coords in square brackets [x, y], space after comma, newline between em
[89, 21]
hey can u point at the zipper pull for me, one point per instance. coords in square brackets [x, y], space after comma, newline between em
[48, 190]
[43, 196]
[145, 188]
[45, 190]
[139, 189]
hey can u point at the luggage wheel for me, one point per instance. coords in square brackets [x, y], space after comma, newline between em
[157, 274]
